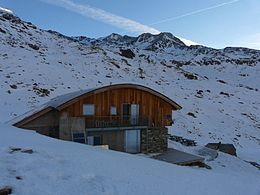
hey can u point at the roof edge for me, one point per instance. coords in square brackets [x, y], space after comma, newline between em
[137, 86]
[30, 118]
[18, 121]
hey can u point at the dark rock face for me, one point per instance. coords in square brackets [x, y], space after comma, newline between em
[6, 190]
[35, 47]
[162, 40]
[13, 86]
[224, 93]
[2, 31]
[28, 151]
[12, 18]
[191, 114]
[190, 76]
[8, 16]
[127, 53]
[42, 92]
[226, 148]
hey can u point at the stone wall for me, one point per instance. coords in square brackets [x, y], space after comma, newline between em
[154, 140]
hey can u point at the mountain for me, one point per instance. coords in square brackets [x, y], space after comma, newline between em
[145, 41]
[217, 88]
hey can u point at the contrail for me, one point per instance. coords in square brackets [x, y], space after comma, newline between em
[104, 16]
[195, 12]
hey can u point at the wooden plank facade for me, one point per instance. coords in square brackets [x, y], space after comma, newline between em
[157, 110]
[120, 116]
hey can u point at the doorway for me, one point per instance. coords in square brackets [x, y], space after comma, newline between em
[134, 114]
[132, 141]
[131, 111]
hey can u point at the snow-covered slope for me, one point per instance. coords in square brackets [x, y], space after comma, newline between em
[65, 168]
[218, 89]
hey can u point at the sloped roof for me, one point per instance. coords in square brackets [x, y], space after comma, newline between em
[52, 104]
[69, 98]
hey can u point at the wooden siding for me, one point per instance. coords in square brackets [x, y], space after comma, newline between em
[69, 125]
[114, 139]
[155, 112]
[150, 105]
[47, 124]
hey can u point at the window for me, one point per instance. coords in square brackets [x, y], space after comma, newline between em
[88, 109]
[126, 111]
[97, 140]
[168, 117]
[90, 140]
[113, 110]
[79, 137]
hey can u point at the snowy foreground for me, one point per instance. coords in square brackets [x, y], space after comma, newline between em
[60, 167]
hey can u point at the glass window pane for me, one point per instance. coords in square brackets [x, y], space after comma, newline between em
[113, 110]
[79, 137]
[126, 111]
[97, 140]
[90, 140]
[88, 109]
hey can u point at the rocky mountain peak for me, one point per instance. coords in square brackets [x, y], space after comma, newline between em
[6, 11]
[159, 38]
[113, 37]
[146, 41]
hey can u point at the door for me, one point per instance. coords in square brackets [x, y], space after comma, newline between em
[94, 140]
[126, 111]
[134, 114]
[90, 140]
[132, 141]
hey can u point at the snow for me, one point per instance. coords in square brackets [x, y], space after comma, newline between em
[4, 10]
[62, 65]
[188, 42]
[60, 167]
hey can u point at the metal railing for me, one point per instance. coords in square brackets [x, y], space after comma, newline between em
[115, 121]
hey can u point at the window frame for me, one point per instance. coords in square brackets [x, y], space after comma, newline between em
[126, 107]
[99, 139]
[113, 110]
[87, 112]
[96, 140]
[78, 138]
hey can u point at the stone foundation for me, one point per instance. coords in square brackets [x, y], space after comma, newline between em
[154, 140]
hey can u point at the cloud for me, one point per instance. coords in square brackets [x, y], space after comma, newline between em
[109, 18]
[104, 16]
[195, 12]
[188, 42]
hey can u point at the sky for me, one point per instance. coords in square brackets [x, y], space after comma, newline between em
[214, 23]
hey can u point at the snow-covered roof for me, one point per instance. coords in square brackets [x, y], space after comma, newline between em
[62, 99]
[53, 103]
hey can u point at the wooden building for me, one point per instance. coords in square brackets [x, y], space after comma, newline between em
[125, 117]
